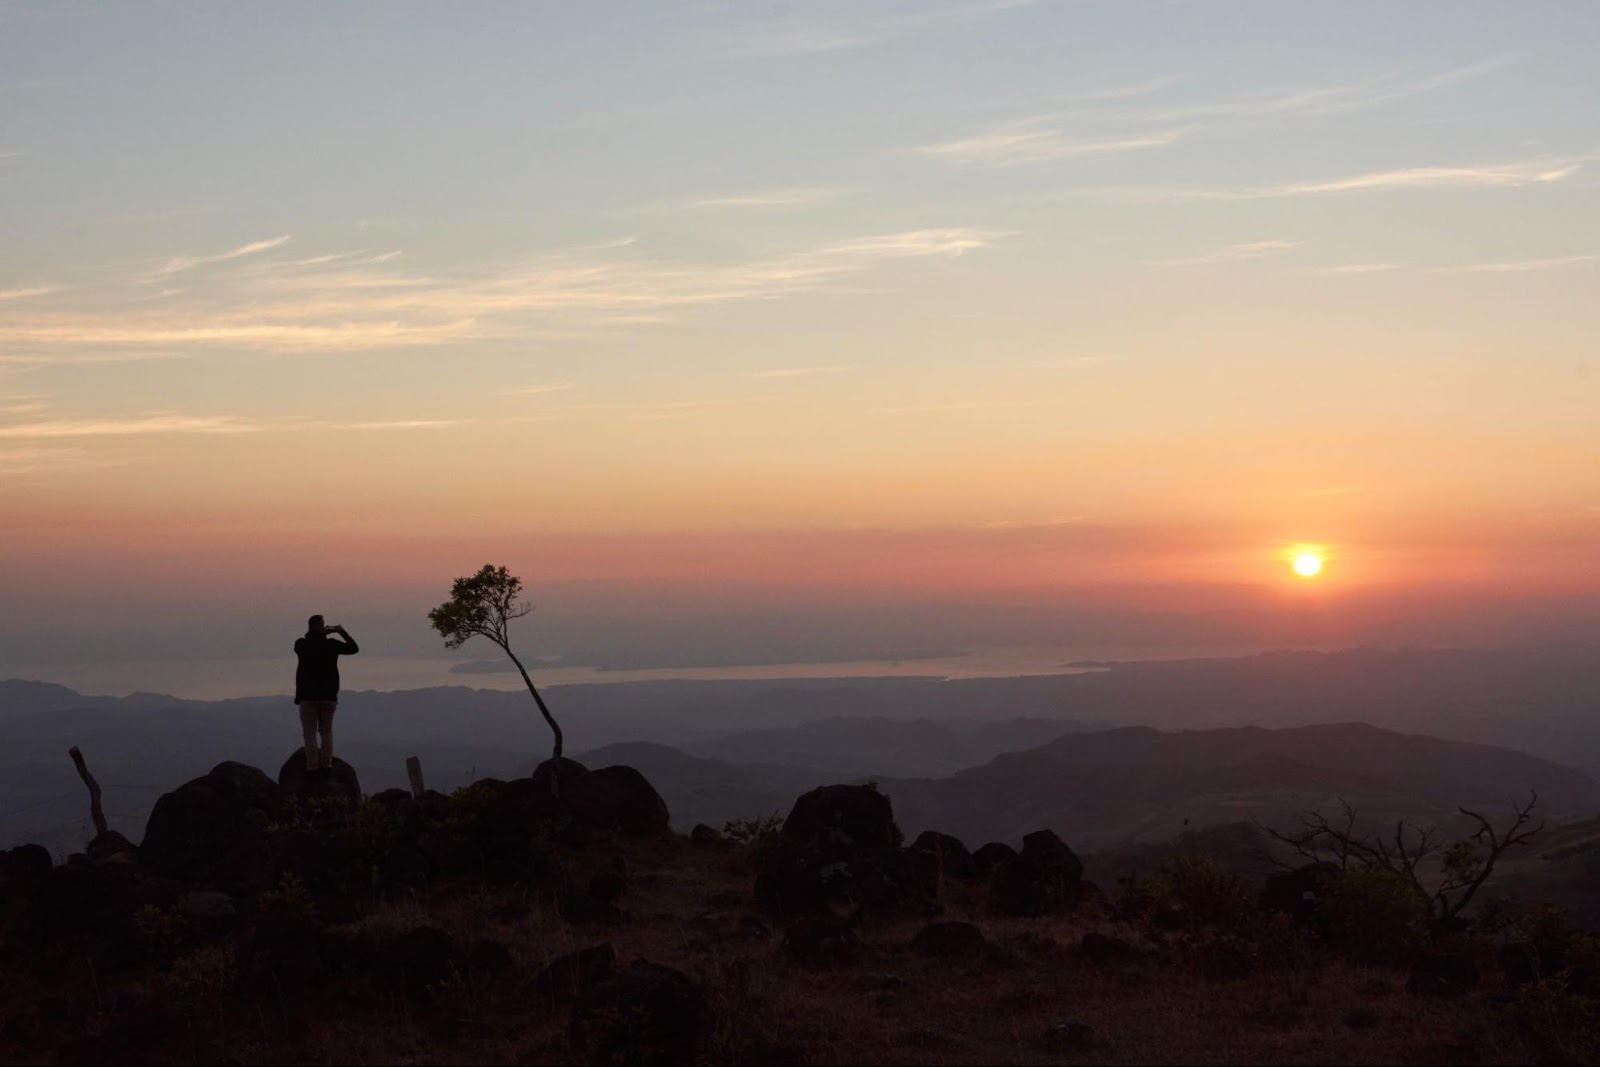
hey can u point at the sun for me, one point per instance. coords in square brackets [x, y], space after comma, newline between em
[1307, 564]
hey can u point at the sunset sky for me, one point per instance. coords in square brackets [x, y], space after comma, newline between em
[941, 300]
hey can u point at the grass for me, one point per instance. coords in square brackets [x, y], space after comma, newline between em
[690, 907]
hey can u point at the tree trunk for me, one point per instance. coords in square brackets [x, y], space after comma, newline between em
[95, 812]
[539, 700]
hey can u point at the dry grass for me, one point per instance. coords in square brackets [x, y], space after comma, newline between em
[690, 907]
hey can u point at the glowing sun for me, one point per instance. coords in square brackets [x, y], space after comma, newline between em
[1308, 564]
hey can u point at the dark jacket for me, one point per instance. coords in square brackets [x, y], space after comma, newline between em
[317, 675]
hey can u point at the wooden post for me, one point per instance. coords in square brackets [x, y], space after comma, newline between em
[95, 812]
[414, 772]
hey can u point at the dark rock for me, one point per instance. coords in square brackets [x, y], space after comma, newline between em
[796, 878]
[859, 815]
[391, 800]
[1439, 974]
[954, 859]
[1223, 961]
[1099, 948]
[948, 939]
[27, 865]
[1051, 859]
[648, 1014]
[704, 835]
[1073, 1035]
[555, 776]
[286, 952]
[1015, 888]
[570, 975]
[337, 783]
[404, 866]
[581, 909]
[618, 798]
[1297, 893]
[510, 836]
[112, 847]
[607, 885]
[415, 962]
[991, 856]
[488, 959]
[212, 829]
[820, 939]
[209, 912]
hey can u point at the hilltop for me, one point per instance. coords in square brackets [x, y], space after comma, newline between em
[296, 921]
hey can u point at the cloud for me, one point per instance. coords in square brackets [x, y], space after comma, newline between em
[814, 28]
[1030, 141]
[15, 462]
[539, 390]
[941, 409]
[1307, 101]
[1518, 266]
[126, 427]
[795, 372]
[178, 264]
[24, 293]
[169, 424]
[1488, 176]
[798, 197]
[1234, 253]
[1358, 268]
[354, 307]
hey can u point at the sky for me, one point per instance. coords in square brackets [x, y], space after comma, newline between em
[773, 305]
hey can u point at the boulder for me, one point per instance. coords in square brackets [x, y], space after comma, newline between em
[212, 829]
[618, 798]
[704, 835]
[1101, 949]
[954, 859]
[27, 866]
[857, 815]
[820, 939]
[112, 847]
[647, 1014]
[948, 939]
[1298, 893]
[1439, 974]
[554, 776]
[415, 962]
[1015, 888]
[1051, 859]
[338, 782]
[570, 975]
[795, 878]
[991, 856]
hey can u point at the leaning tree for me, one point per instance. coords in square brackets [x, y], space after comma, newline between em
[483, 605]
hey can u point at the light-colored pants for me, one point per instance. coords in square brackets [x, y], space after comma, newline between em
[316, 716]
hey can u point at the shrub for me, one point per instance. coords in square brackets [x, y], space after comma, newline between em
[1560, 1022]
[1377, 914]
[748, 831]
[203, 976]
[1197, 889]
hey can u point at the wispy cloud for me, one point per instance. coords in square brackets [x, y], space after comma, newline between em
[942, 409]
[32, 290]
[1031, 140]
[365, 305]
[1358, 268]
[1488, 176]
[1518, 266]
[26, 460]
[773, 198]
[126, 427]
[796, 372]
[1234, 253]
[541, 389]
[814, 28]
[178, 264]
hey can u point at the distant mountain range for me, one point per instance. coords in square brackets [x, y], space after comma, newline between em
[982, 758]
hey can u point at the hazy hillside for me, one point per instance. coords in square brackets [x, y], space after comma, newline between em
[1141, 785]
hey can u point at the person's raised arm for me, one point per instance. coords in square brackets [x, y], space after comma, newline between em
[348, 647]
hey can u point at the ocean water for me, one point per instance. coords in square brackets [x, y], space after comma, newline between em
[224, 679]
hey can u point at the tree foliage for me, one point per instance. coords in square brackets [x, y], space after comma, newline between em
[1465, 865]
[483, 605]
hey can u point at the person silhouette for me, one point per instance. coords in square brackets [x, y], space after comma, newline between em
[316, 686]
